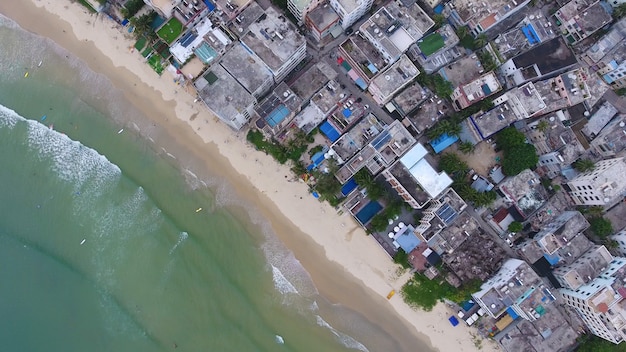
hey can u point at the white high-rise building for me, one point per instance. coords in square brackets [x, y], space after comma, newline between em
[594, 287]
[351, 10]
[605, 185]
[300, 8]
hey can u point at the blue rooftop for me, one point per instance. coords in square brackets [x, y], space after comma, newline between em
[530, 34]
[329, 131]
[552, 259]
[512, 313]
[408, 241]
[442, 142]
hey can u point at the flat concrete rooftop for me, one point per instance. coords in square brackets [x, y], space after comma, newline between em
[245, 68]
[396, 76]
[273, 38]
[222, 93]
[312, 80]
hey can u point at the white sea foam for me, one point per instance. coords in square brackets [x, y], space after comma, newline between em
[182, 237]
[346, 340]
[8, 117]
[281, 283]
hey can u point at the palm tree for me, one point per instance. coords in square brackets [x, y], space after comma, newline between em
[480, 40]
[466, 147]
[584, 165]
[462, 32]
[453, 129]
[543, 126]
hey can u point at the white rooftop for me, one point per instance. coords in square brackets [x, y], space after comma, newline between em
[431, 181]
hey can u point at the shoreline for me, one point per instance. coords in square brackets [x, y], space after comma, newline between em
[362, 273]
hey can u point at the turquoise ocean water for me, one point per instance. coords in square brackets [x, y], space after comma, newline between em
[100, 245]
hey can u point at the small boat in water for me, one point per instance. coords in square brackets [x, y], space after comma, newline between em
[198, 210]
[26, 74]
[120, 131]
[83, 241]
[279, 339]
[39, 64]
[43, 118]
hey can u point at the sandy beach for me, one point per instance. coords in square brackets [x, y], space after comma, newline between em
[347, 266]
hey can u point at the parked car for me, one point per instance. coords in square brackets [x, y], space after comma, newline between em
[349, 31]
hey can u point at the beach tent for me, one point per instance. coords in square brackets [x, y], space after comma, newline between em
[453, 320]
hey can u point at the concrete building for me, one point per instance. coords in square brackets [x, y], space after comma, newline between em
[361, 59]
[163, 7]
[410, 98]
[556, 145]
[599, 120]
[533, 30]
[228, 10]
[475, 91]
[463, 70]
[240, 24]
[524, 191]
[604, 186]
[620, 238]
[276, 42]
[517, 104]
[441, 212]
[394, 27]
[607, 55]
[578, 19]
[322, 104]
[615, 74]
[561, 241]
[548, 58]
[207, 41]
[351, 11]
[277, 110]
[301, 8]
[516, 290]
[380, 153]
[611, 140]
[437, 49]
[594, 287]
[565, 90]
[225, 97]
[414, 178]
[322, 22]
[481, 16]
[351, 142]
[190, 12]
[312, 80]
[384, 86]
[248, 70]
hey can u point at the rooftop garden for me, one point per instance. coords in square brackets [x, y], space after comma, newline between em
[431, 43]
[170, 30]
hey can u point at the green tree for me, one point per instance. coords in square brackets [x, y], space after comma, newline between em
[143, 25]
[480, 41]
[132, 7]
[621, 92]
[402, 258]
[519, 159]
[439, 20]
[442, 87]
[600, 226]
[543, 126]
[466, 147]
[487, 61]
[584, 165]
[452, 164]
[515, 226]
[592, 343]
[510, 138]
[619, 12]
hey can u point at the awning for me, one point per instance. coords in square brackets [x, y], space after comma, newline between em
[329, 131]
